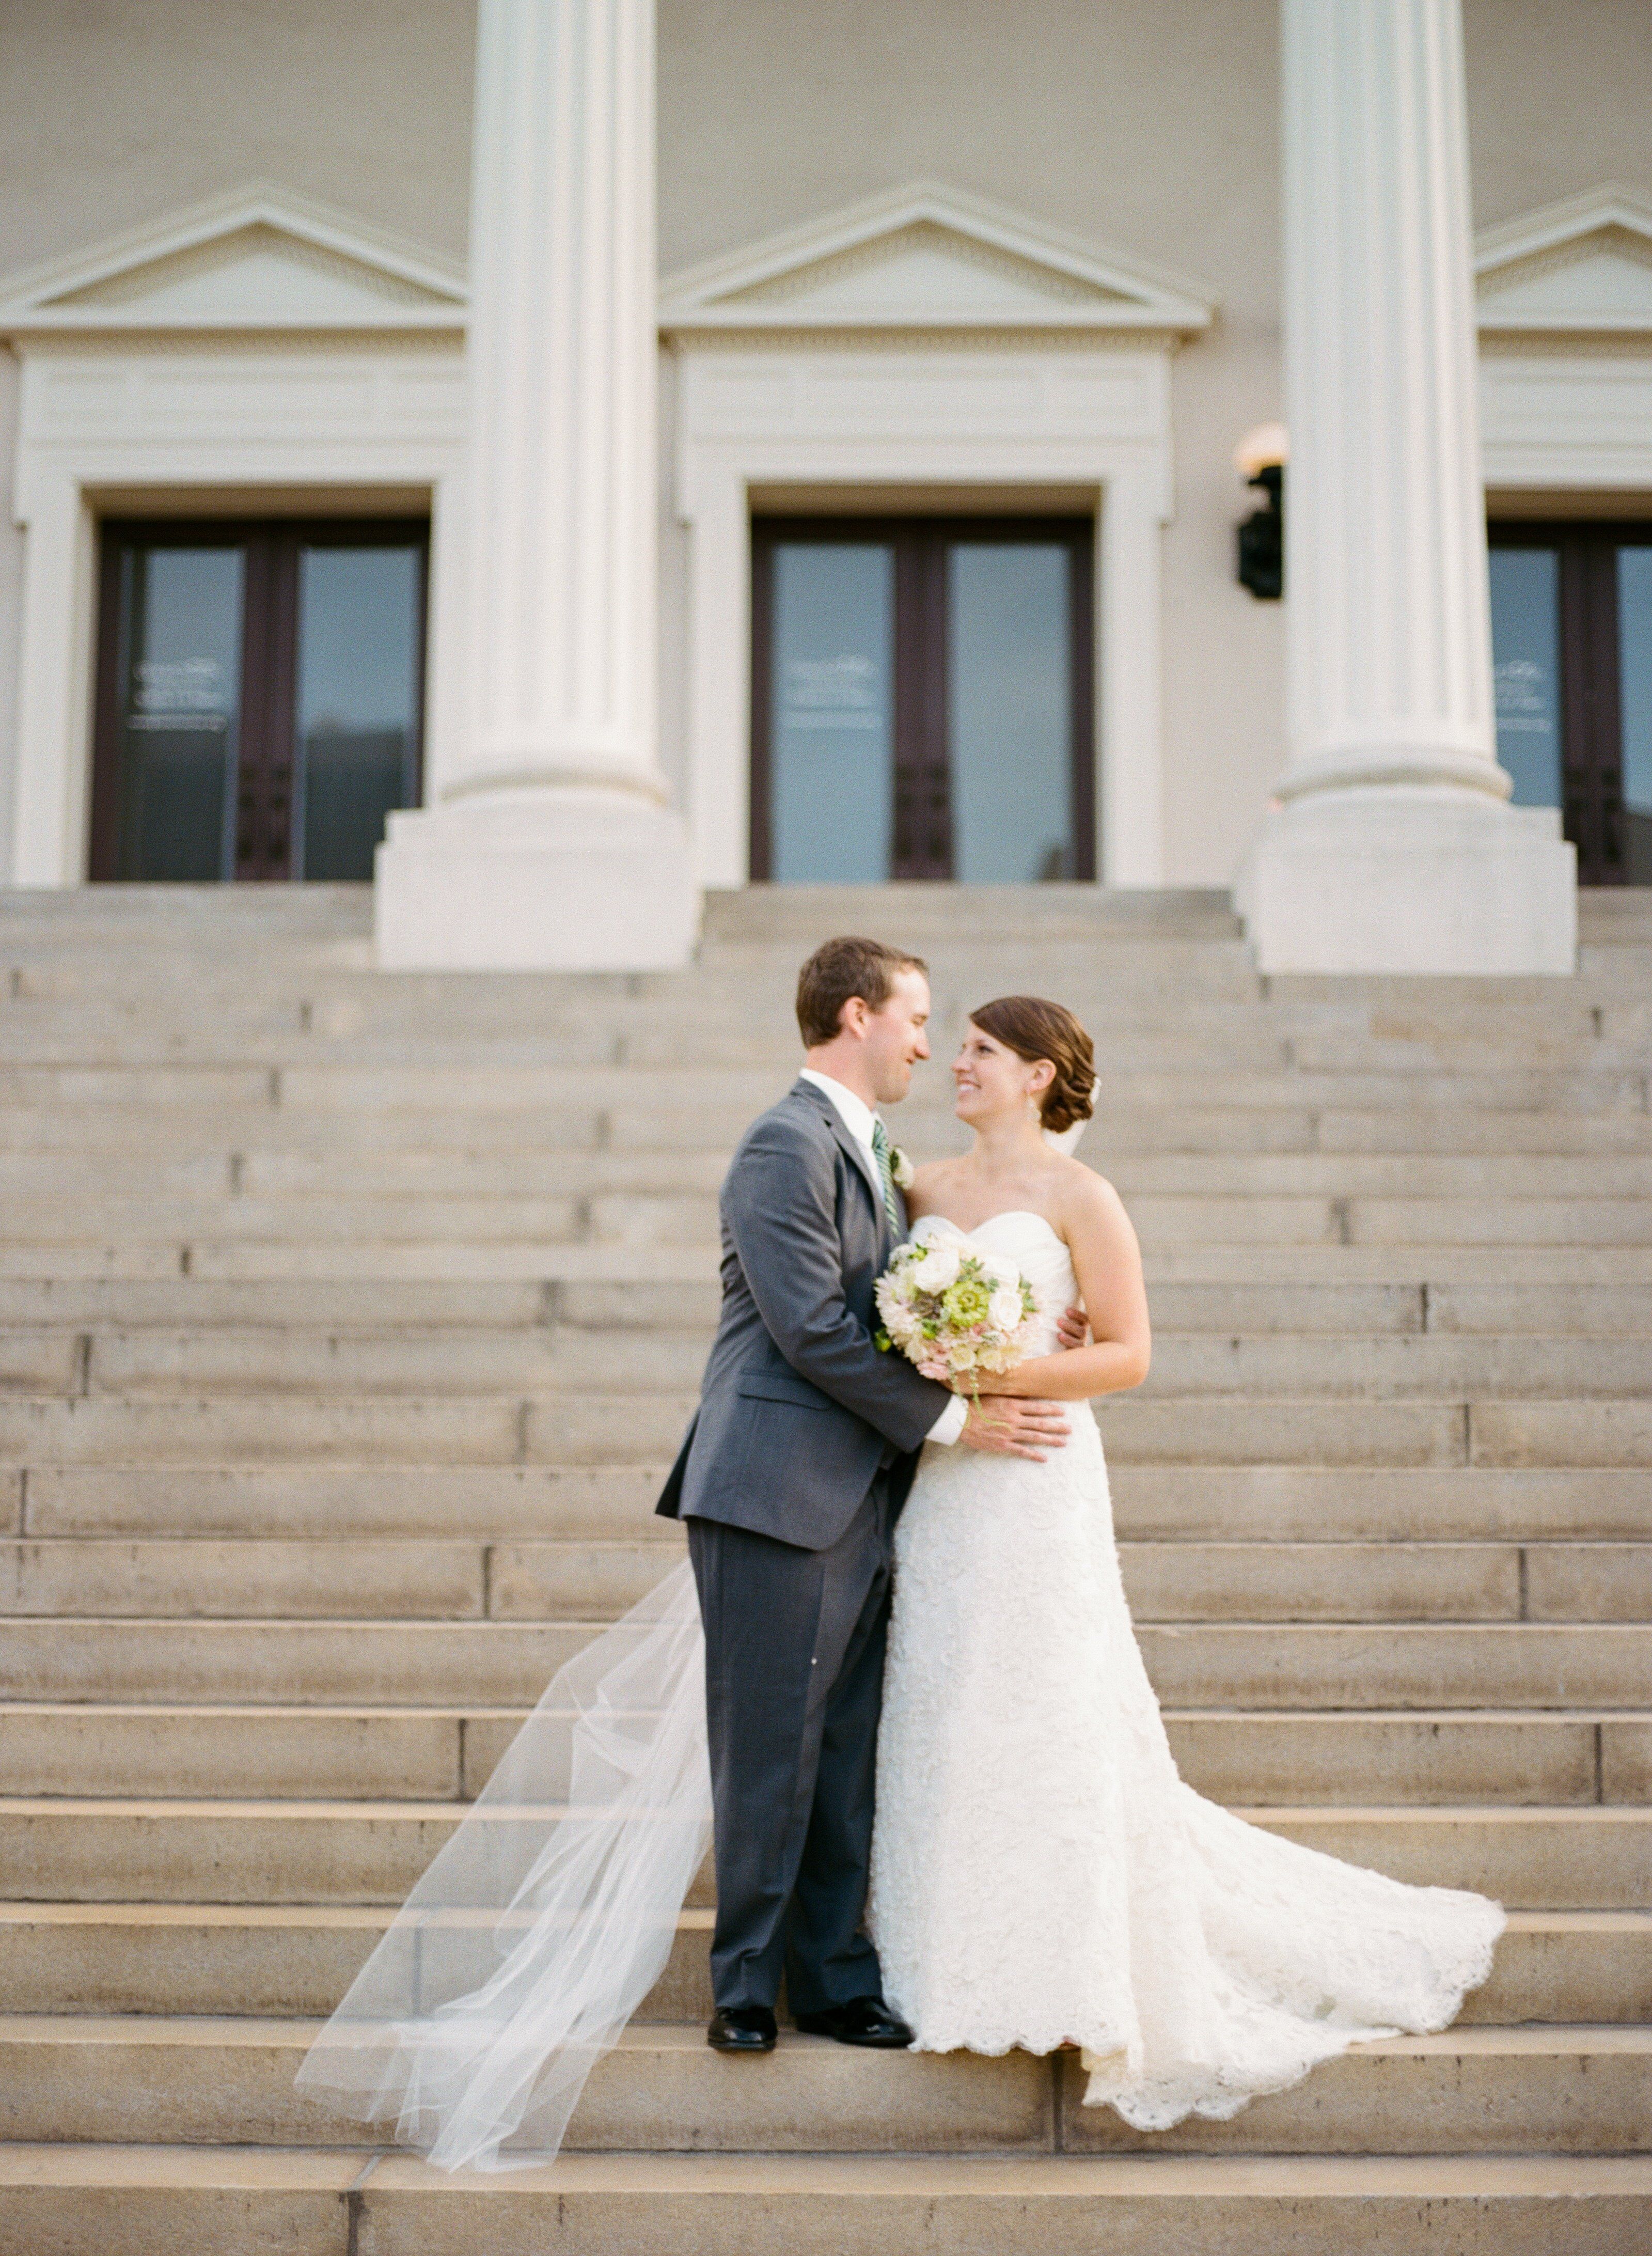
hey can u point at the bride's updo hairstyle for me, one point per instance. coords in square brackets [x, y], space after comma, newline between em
[1035, 1030]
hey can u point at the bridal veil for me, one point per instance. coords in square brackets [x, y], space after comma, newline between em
[547, 1917]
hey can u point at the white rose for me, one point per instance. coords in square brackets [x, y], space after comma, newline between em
[1003, 1310]
[1001, 1272]
[901, 1167]
[938, 1266]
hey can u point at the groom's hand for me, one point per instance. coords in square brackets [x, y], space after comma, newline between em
[1073, 1331]
[1006, 1425]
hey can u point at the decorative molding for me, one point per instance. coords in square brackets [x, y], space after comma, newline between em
[927, 257]
[138, 417]
[260, 258]
[1583, 266]
[872, 416]
[1565, 345]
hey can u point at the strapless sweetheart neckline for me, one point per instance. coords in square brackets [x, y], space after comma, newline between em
[1004, 1214]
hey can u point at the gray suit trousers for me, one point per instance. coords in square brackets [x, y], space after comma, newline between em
[794, 1686]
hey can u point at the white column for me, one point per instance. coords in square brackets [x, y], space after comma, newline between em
[547, 840]
[1393, 847]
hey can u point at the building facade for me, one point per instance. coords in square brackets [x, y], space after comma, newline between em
[628, 452]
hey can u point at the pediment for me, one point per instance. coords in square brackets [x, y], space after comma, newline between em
[1584, 265]
[259, 260]
[928, 258]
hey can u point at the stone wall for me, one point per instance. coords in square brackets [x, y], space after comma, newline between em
[1150, 124]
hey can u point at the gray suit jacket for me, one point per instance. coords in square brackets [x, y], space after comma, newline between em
[798, 1409]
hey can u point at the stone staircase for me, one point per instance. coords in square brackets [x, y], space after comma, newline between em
[346, 1324]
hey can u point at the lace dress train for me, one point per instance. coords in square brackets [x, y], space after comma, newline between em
[1041, 1873]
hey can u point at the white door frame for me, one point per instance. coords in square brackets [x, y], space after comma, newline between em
[888, 417]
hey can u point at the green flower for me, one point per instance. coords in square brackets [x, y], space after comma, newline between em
[965, 1303]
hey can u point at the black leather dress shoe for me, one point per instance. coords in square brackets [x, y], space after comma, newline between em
[862, 2022]
[741, 2028]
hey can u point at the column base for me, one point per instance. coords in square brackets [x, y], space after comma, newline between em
[1398, 879]
[567, 880]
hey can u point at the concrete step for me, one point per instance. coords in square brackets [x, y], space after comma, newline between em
[380, 1662]
[1122, 993]
[132, 2200]
[1455, 1128]
[1387, 1666]
[1206, 1261]
[313, 1500]
[58, 1849]
[159, 1361]
[275, 1960]
[1370, 1367]
[1261, 1503]
[322, 1087]
[650, 1219]
[582, 1580]
[1534, 1267]
[591, 1428]
[1235, 1430]
[1582, 2089]
[46, 1036]
[1547, 1757]
[538, 1359]
[623, 1119]
[328, 1176]
[382, 1429]
[317, 1579]
[623, 1304]
[1402, 1175]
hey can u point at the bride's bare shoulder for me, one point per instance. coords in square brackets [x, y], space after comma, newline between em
[1084, 1194]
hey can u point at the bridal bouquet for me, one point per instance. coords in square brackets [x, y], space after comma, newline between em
[954, 1312]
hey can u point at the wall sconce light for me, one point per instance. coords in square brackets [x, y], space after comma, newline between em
[1260, 458]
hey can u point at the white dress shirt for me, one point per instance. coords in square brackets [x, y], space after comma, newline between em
[857, 1116]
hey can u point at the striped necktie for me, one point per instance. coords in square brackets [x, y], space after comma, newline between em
[886, 1174]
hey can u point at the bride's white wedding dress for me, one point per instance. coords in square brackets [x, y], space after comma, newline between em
[1040, 1872]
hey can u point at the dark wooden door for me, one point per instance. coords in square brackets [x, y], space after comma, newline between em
[908, 701]
[232, 655]
[1568, 602]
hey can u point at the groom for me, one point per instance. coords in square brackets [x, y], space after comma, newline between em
[789, 1480]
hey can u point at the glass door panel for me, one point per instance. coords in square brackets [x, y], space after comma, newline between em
[1526, 669]
[1571, 641]
[1634, 699]
[832, 713]
[1008, 709]
[356, 706]
[259, 696]
[176, 722]
[921, 700]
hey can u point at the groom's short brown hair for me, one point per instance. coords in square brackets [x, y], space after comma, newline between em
[838, 971]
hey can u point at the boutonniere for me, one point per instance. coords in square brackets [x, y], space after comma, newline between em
[901, 1167]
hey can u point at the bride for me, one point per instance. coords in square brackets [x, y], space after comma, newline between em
[1040, 1876]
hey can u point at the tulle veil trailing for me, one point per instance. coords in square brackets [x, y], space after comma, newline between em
[547, 1917]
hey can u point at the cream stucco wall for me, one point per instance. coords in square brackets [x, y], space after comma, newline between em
[1149, 124]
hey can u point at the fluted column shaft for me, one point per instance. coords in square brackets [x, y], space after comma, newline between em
[558, 552]
[1391, 846]
[547, 841]
[1387, 627]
